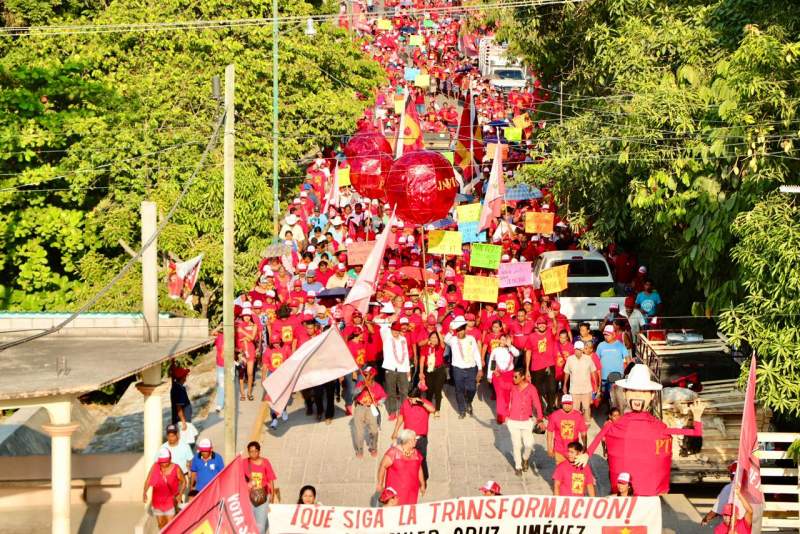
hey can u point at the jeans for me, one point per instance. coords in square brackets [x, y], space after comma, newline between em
[396, 390]
[261, 517]
[465, 387]
[221, 385]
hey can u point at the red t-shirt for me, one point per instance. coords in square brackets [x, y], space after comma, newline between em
[522, 403]
[543, 349]
[359, 352]
[566, 428]
[574, 479]
[283, 329]
[261, 474]
[415, 417]
[426, 353]
[378, 393]
[519, 332]
[273, 357]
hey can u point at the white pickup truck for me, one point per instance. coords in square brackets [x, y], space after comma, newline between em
[590, 287]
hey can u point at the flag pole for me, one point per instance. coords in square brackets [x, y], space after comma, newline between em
[423, 267]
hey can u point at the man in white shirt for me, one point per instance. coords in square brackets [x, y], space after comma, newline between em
[467, 364]
[180, 450]
[397, 364]
[578, 371]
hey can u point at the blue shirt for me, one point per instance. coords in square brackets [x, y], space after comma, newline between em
[612, 357]
[648, 303]
[206, 469]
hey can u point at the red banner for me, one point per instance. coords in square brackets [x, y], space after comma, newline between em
[748, 470]
[222, 507]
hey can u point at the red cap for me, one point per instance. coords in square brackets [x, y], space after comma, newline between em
[541, 320]
[470, 317]
[556, 306]
[431, 319]
[180, 372]
[370, 371]
[396, 326]
[630, 301]
[491, 486]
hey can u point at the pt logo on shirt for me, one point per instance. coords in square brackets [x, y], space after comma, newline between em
[578, 480]
[568, 430]
[542, 346]
[287, 334]
[664, 445]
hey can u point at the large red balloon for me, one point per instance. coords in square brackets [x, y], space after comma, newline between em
[422, 185]
[370, 157]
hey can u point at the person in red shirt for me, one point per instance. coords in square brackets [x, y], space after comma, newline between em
[520, 328]
[570, 479]
[246, 332]
[258, 473]
[523, 400]
[540, 361]
[368, 395]
[563, 427]
[432, 369]
[741, 526]
[414, 414]
[564, 350]
[502, 315]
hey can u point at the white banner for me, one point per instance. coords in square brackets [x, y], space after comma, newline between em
[517, 514]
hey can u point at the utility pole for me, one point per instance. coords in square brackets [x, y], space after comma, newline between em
[276, 205]
[227, 265]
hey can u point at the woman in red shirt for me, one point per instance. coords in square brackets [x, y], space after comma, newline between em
[432, 370]
[401, 469]
[167, 481]
[259, 473]
[246, 332]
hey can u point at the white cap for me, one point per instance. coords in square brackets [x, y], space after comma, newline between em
[609, 329]
[566, 399]
[578, 345]
[291, 219]
[303, 194]
[387, 308]
[505, 257]
[642, 269]
[311, 294]
[613, 306]
[502, 306]
[311, 248]
[257, 303]
[431, 282]
[164, 454]
[404, 320]
[204, 445]
[336, 221]
[270, 293]
[458, 322]
[624, 477]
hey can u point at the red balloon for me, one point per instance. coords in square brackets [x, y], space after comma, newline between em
[370, 157]
[422, 185]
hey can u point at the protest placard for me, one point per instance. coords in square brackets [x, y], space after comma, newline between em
[522, 121]
[469, 232]
[410, 74]
[491, 148]
[448, 155]
[399, 104]
[444, 242]
[513, 134]
[515, 274]
[357, 252]
[422, 80]
[539, 223]
[344, 176]
[480, 288]
[501, 514]
[384, 24]
[485, 256]
[554, 279]
[415, 40]
[468, 212]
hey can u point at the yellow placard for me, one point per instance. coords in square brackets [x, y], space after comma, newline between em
[444, 242]
[554, 279]
[539, 223]
[522, 121]
[491, 148]
[448, 155]
[481, 288]
[468, 212]
[399, 103]
[343, 176]
[423, 80]
[384, 24]
[415, 40]
[513, 134]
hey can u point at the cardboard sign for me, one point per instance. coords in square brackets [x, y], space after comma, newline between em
[415, 40]
[485, 256]
[513, 134]
[491, 148]
[468, 212]
[554, 279]
[384, 24]
[448, 155]
[539, 223]
[481, 288]
[422, 80]
[343, 176]
[399, 105]
[444, 242]
[358, 251]
[522, 121]
[515, 274]
[470, 234]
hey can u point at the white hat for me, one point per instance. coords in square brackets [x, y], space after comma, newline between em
[303, 194]
[639, 378]
[408, 304]
[311, 293]
[624, 477]
[404, 320]
[523, 259]
[270, 293]
[247, 311]
[336, 221]
[566, 398]
[348, 241]
[609, 329]
[204, 445]
[502, 306]
[458, 322]
[400, 224]
[505, 257]
[296, 201]
[613, 306]
[311, 248]
[578, 345]
[387, 308]
[386, 206]
[431, 282]
[401, 239]
[291, 219]
[164, 455]
[561, 224]
[535, 237]
[267, 271]
[643, 269]
[257, 303]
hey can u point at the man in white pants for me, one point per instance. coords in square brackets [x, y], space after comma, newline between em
[523, 400]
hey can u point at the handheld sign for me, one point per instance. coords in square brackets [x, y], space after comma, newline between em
[444, 242]
[480, 288]
[515, 274]
[485, 256]
[469, 232]
[539, 223]
[358, 251]
[554, 279]
[468, 212]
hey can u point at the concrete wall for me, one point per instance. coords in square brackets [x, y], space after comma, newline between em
[14, 325]
[24, 479]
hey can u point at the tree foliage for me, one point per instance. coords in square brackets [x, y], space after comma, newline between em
[92, 124]
[679, 119]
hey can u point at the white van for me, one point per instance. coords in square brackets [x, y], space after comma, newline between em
[590, 286]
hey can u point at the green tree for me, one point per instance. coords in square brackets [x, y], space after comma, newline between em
[129, 119]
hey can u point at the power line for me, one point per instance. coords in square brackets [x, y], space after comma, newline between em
[132, 261]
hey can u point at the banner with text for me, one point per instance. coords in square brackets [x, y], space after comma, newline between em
[554, 279]
[480, 288]
[444, 242]
[485, 256]
[539, 222]
[470, 234]
[515, 274]
[506, 514]
[468, 212]
[358, 251]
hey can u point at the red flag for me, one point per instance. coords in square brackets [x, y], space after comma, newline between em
[748, 470]
[469, 137]
[183, 277]
[495, 193]
[320, 359]
[409, 132]
[223, 506]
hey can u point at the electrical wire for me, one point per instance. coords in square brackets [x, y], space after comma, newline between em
[212, 141]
